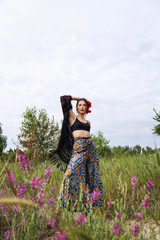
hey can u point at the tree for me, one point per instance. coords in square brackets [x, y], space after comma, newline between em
[137, 149]
[3, 141]
[38, 134]
[156, 129]
[117, 150]
[148, 150]
[127, 150]
[101, 144]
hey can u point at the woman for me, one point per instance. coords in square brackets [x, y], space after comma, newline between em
[83, 170]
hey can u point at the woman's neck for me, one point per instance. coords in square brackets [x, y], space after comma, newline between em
[81, 116]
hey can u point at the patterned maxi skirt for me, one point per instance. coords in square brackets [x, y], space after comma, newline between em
[82, 175]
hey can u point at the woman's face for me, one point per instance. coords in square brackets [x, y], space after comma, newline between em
[82, 107]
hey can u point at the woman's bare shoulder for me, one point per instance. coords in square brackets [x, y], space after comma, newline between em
[89, 122]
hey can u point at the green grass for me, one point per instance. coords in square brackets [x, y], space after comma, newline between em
[31, 223]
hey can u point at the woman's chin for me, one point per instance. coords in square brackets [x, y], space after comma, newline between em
[82, 113]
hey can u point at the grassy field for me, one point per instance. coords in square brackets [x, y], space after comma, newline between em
[29, 192]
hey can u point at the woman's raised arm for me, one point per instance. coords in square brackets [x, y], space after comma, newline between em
[75, 98]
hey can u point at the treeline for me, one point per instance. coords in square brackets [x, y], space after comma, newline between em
[39, 134]
[104, 150]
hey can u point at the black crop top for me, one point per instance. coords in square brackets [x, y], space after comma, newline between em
[78, 125]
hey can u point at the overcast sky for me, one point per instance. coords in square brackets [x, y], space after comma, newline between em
[107, 51]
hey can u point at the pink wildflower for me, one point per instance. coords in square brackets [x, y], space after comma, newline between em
[138, 215]
[24, 162]
[109, 202]
[21, 190]
[3, 208]
[7, 234]
[51, 200]
[15, 209]
[94, 196]
[35, 183]
[32, 197]
[52, 223]
[118, 215]
[134, 180]
[40, 198]
[53, 189]
[135, 229]
[48, 173]
[150, 184]
[9, 177]
[60, 236]
[86, 191]
[145, 203]
[117, 229]
[80, 218]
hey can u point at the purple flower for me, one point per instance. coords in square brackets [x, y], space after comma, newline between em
[24, 162]
[138, 215]
[118, 215]
[86, 191]
[150, 184]
[145, 203]
[3, 208]
[48, 173]
[35, 183]
[32, 197]
[40, 198]
[109, 202]
[52, 223]
[60, 236]
[21, 190]
[135, 229]
[53, 189]
[15, 209]
[117, 229]
[94, 196]
[134, 180]
[80, 218]
[9, 177]
[51, 200]
[7, 234]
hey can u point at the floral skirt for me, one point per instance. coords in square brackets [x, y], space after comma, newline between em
[82, 179]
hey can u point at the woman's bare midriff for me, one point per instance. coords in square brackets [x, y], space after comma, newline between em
[80, 133]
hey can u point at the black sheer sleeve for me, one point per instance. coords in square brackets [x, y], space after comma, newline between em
[61, 156]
